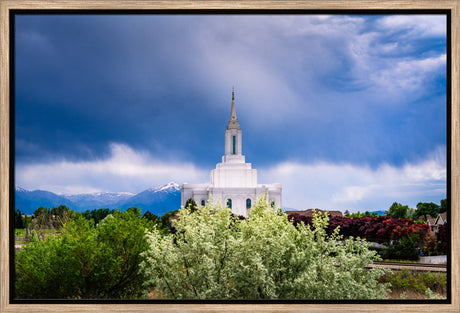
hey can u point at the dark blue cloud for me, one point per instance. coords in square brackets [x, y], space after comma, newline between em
[307, 89]
[85, 81]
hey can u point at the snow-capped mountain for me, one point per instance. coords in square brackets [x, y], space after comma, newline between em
[28, 201]
[168, 187]
[20, 189]
[98, 198]
[158, 200]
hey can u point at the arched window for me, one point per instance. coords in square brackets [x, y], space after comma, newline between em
[203, 203]
[229, 203]
[248, 203]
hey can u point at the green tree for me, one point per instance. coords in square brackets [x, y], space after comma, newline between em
[191, 204]
[365, 214]
[42, 220]
[84, 261]
[425, 208]
[443, 207]
[215, 255]
[397, 210]
[405, 249]
[151, 217]
[53, 267]
[165, 221]
[60, 215]
[41, 211]
[411, 214]
[97, 214]
[122, 240]
[18, 220]
[60, 210]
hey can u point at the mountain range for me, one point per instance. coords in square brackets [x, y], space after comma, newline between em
[157, 200]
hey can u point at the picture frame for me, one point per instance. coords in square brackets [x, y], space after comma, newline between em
[6, 6]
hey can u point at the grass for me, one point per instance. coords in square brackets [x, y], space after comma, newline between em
[19, 232]
[51, 230]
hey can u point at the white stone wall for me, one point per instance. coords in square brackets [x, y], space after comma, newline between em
[233, 175]
[434, 259]
[196, 192]
[238, 195]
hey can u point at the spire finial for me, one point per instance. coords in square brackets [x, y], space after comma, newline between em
[233, 122]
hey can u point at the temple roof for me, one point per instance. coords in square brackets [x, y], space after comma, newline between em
[233, 122]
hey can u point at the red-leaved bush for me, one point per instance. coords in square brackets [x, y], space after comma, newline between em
[381, 229]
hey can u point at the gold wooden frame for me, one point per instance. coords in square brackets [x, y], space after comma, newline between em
[7, 5]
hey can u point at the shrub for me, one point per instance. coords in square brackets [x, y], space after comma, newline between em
[85, 261]
[215, 255]
[380, 229]
[405, 249]
[442, 238]
[416, 281]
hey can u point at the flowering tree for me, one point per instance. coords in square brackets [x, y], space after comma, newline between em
[215, 255]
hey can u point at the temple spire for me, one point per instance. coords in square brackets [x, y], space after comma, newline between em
[233, 122]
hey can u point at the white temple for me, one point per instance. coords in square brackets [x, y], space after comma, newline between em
[233, 182]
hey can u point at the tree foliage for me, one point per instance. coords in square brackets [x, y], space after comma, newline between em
[151, 217]
[405, 249]
[84, 261]
[215, 255]
[42, 220]
[60, 215]
[397, 210]
[405, 280]
[97, 215]
[359, 214]
[381, 229]
[191, 204]
[165, 225]
[427, 208]
[18, 220]
[442, 239]
[46, 219]
[443, 207]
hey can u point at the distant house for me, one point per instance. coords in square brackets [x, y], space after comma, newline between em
[309, 212]
[441, 219]
[435, 222]
[430, 220]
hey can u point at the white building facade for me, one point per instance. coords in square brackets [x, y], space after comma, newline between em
[233, 182]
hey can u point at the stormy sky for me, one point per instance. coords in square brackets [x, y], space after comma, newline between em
[346, 111]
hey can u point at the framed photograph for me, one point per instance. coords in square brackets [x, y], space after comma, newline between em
[217, 156]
